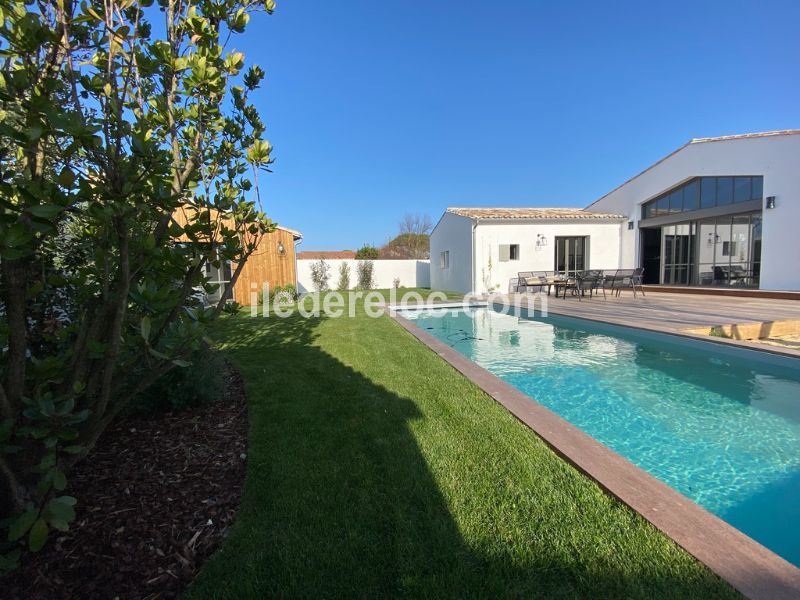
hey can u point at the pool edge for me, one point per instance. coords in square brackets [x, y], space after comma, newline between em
[745, 564]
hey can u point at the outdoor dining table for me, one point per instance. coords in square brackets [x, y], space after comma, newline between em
[560, 282]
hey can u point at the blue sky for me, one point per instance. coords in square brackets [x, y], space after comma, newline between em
[379, 108]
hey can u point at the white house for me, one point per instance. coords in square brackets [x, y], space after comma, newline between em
[480, 249]
[718, 211]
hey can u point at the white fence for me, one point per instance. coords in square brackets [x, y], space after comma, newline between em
[411, 273]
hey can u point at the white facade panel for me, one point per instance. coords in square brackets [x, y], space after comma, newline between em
[452, 235]
[775, 157]
[491, 271]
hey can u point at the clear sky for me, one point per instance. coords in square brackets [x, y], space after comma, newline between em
[378, 108]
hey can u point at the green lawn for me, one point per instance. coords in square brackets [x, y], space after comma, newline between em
[375, 469]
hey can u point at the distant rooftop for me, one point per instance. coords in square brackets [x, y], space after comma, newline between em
[329, 254]
[532, 213]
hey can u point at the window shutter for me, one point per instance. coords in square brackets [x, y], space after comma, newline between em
[505, 252]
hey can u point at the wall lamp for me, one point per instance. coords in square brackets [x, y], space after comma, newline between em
[630, 225]
[281, 248]
[541, 240]
[770, 201]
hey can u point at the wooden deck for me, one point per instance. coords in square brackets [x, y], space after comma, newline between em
[673, 311]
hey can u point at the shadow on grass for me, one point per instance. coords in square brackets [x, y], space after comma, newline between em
[340, 501]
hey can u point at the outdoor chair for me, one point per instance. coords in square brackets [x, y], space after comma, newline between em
[589, 282]
[532, 279]
[627, 278]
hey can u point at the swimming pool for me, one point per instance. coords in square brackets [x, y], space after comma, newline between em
[719, 424]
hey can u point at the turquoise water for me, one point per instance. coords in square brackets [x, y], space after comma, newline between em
[720, 425]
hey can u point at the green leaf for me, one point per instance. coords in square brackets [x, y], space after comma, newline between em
[21, 525]
[61, 509]
[145, 327]
[66, 178]
[59, 479]
[38, 535]
[44, 211]
[6, 427]
[181, 363]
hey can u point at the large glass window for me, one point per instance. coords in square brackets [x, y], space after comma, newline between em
[708, 192]
[705, 192]
[690, 195]
[724, 190]
[741, 189]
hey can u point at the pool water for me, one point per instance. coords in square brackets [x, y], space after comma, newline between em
[720, 425]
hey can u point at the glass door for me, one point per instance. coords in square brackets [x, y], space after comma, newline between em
[571, 254]
[678, 250]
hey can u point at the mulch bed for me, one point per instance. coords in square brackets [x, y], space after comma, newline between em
[155, 499]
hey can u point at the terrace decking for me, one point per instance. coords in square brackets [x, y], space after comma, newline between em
[673, 313]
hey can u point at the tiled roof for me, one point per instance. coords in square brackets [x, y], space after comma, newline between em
[532, 213]
[329, 254]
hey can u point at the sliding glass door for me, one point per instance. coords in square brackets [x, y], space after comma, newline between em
[571, 254]
[678, 253]
[722, 251]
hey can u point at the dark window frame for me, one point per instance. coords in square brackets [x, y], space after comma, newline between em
[665, 204]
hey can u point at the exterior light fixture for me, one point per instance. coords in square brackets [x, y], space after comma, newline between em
[281, 248]
[541, 240]
[770, 201]
[630, 225]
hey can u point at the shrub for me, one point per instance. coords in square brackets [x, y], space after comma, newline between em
[366, 269]
[367, 252]
[105, 239]
[231, 307]
[344, 277]
[320, 273]
[201, 382]
[290, 291]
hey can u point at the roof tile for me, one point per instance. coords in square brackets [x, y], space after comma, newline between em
[533, 213]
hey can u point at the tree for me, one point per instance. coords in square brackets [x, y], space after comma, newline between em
[413, 239]
[365, 271]
[320, 274]
[106, 132]
[344, 276]
[367, 252]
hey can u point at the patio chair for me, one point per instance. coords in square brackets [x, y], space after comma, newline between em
[590, 281]
[627, 278]
[532, 279]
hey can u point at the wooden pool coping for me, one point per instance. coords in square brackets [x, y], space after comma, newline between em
[749, 567]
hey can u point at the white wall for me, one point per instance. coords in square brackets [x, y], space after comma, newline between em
[412, 273]
[776, 157]
[604, 247]
[453, 233]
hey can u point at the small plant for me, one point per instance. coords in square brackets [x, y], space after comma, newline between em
[396, 282]
[366, 270]
[718, 331]
[231, 307]
[344, 277]
[200, 382]
[320, 274]
[291, 291]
